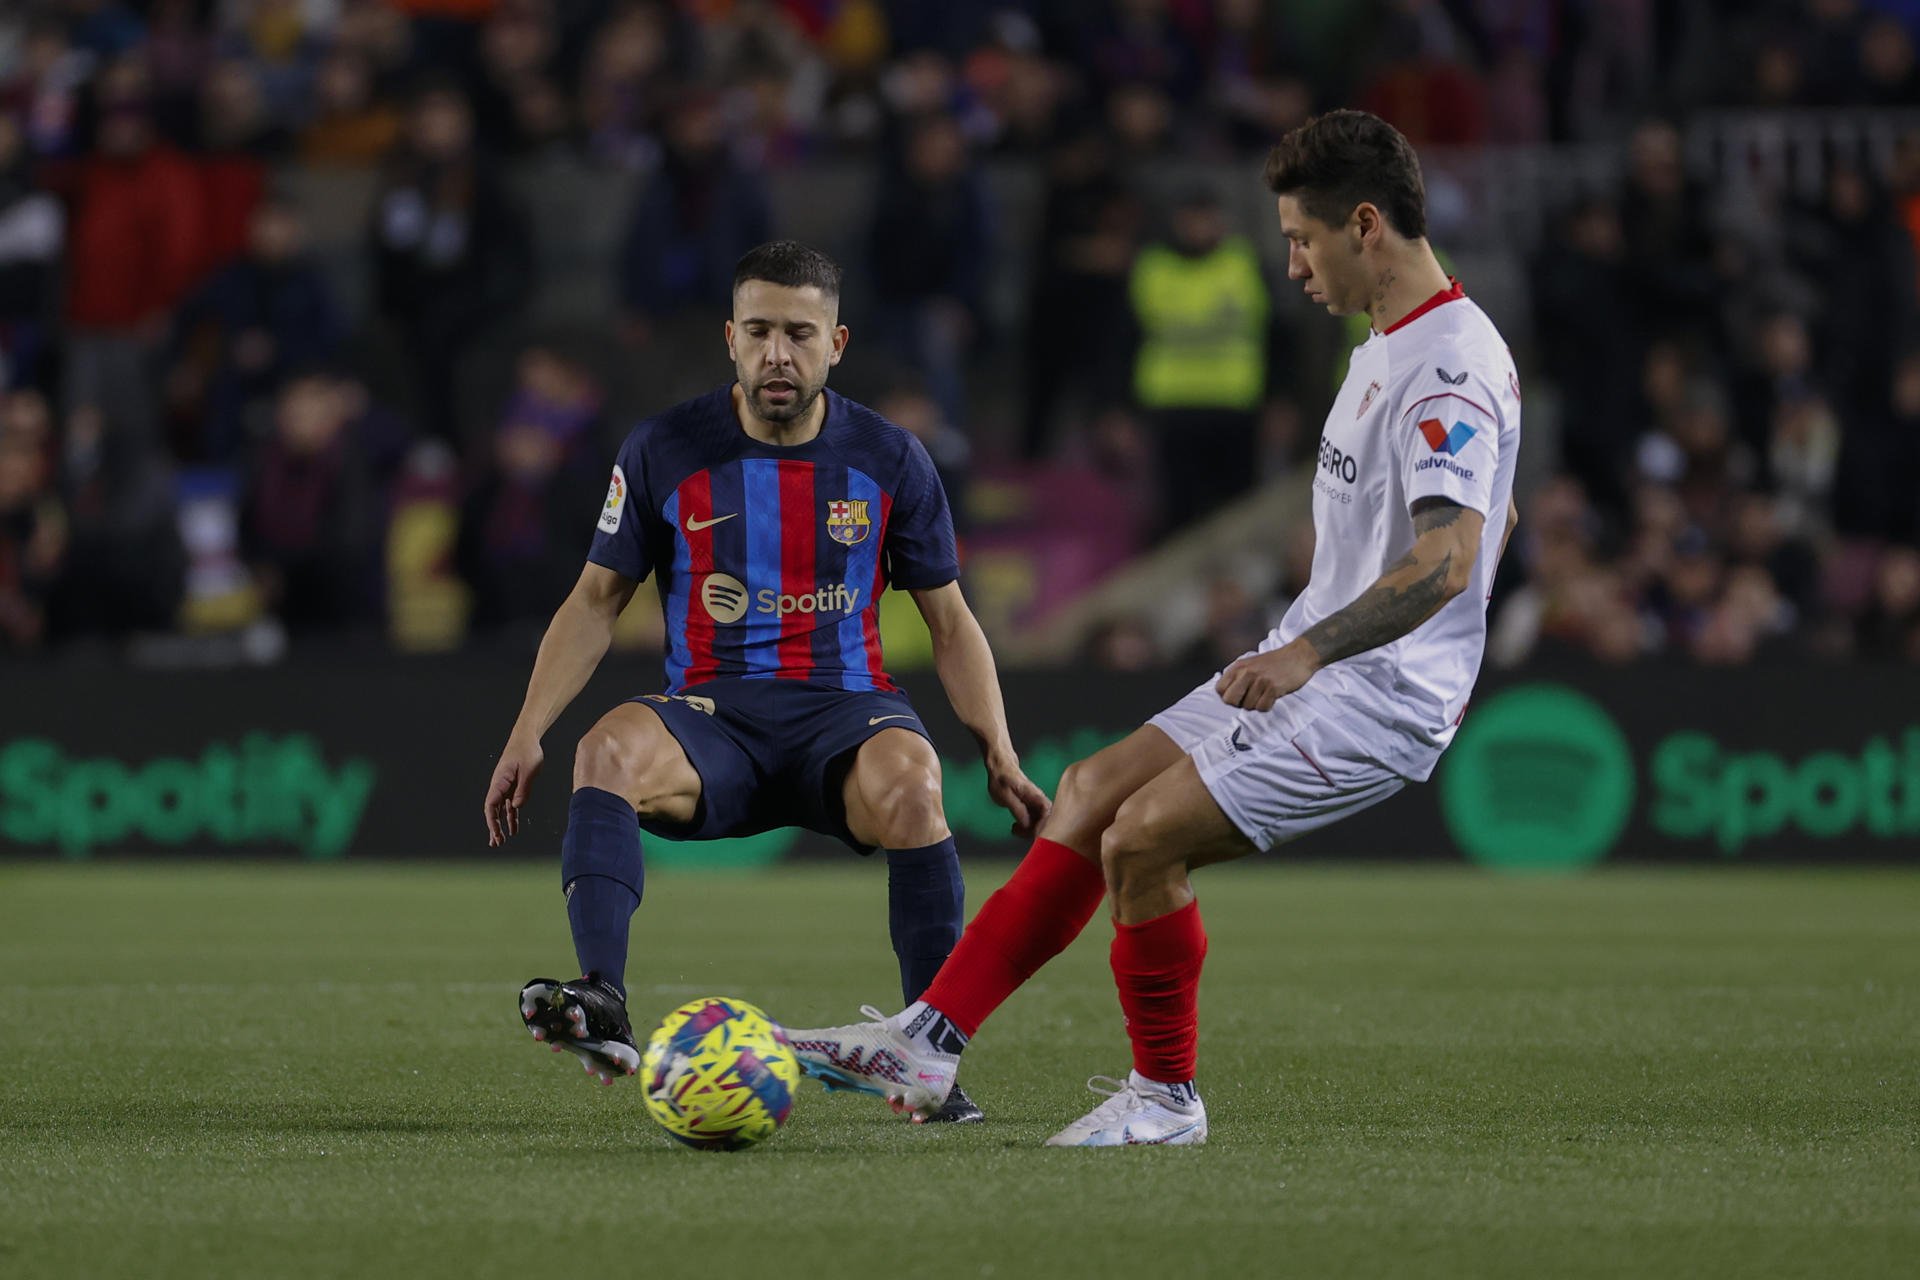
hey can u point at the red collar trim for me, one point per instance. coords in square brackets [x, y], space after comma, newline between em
[1449, 294]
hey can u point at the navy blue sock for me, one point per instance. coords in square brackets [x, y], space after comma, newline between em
[602, 873]
[926, 901]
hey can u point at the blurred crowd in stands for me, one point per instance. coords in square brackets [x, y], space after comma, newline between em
[202, 428]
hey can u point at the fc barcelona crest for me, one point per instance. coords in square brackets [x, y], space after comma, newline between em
[847, 522]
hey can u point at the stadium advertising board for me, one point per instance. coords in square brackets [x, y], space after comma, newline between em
[1552, 769]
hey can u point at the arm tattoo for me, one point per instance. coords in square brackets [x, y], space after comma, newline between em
[1386, 611]
[1383, 613]
[1435, 513]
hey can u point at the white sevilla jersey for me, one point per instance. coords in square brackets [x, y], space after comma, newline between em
[1430, 408]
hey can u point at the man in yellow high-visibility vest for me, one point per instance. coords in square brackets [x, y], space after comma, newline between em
[1200, 373]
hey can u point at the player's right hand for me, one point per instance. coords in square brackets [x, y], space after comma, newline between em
[512, 779]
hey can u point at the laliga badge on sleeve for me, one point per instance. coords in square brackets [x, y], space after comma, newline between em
[616, 501]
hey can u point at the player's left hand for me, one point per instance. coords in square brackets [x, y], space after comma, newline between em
[1013, 791]
[1256, 683]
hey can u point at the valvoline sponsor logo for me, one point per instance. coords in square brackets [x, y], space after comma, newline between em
[1444, 439]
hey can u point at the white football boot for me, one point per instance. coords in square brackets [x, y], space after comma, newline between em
[1137, 1112]
[877, 1057]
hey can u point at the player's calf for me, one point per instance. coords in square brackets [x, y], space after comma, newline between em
[585, 1017]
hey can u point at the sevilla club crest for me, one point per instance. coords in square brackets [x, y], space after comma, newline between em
[1373, 389]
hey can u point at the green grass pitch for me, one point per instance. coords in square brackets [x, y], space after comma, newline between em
[318, 1071]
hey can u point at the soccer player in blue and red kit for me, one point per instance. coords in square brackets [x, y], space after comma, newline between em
[771, 513]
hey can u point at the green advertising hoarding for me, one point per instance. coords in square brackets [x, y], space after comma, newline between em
[1553, 770]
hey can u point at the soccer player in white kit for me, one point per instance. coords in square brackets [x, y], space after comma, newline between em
[1354, 694]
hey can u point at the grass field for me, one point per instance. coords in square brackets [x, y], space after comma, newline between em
[319, 1072]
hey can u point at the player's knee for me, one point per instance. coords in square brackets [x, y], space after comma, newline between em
[607, 760]
[1085, 794]
[910, 812]
[1129, 856]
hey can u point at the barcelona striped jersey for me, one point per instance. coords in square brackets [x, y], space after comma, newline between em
[770, 560]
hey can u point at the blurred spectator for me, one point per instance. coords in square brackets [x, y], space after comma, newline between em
[1124, 644]
[624, 87]
[1782, 371]
[911, 407]
[1019, 89]
[1801, 458]
[1296, 567]
[31, 233]
[694, 217]
[380, 34]
[178, 50]
[1668, 251]
[1248, 83]
[1748, 615]
[1144, 42]
[236, 139]
[1856, 249]
[350, 125]
[33, 523]
[45, 89]
[1140, 118]
[1904, 184]
[452, 257]
[126, 569]
[1889, 76]
[1431, 97]
[519, 106]
[251, 325]
[1078, 318]
[1829, 35]
[524, 529]
[929, 241]
[1201, 304]
[311, 527]
[1764, 535]
[1235, 624]
[137, 236]
[1583, 312]
[1890, 628]
[1878, 470]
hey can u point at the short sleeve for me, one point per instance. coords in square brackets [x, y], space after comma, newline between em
[920, 546]
[1448, 444]
[619, 538]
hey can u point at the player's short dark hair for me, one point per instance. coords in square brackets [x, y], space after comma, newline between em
[1335, 162]
[789, 263]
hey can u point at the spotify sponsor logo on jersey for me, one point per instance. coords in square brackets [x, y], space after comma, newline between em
[725, 597]
[727, 600]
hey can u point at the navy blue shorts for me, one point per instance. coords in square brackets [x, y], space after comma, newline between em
[773, 753]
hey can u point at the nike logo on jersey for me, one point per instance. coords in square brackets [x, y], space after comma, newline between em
[874, 720]
[695, 524]
[1234, 738]
[1451, 379]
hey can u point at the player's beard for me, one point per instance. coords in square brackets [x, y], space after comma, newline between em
[802, 403]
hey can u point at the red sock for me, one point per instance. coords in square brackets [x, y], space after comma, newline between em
[1028, 921]
[1156, 965]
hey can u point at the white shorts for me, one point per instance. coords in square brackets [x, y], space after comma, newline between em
[1276, 774]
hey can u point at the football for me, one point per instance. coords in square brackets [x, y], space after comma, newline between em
[719, 1074]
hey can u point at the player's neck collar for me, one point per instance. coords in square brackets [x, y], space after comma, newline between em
[1451, 293]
